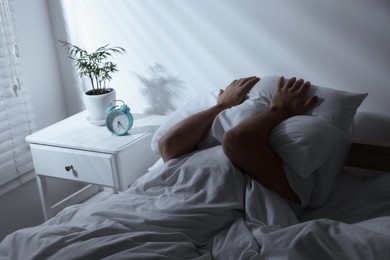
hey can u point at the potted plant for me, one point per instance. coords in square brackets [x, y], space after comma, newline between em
[97, 68]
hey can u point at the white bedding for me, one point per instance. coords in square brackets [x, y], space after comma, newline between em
[199, 206]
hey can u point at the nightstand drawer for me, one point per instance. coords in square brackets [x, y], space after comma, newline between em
[91, 167]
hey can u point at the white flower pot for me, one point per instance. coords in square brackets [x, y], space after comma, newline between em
[96, 106]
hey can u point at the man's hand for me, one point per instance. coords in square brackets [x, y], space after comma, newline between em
[289, 97]
[235, 93]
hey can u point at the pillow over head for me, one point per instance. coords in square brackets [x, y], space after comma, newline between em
[335, 106]
[304, 143]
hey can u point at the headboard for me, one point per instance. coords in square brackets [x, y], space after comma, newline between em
[367, 155]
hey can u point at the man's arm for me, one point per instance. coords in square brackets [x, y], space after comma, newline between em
[246, 145]
[186, 135]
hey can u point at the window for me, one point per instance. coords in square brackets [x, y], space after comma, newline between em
[15, 117]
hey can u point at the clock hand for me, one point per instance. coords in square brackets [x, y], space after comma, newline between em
[120, 125]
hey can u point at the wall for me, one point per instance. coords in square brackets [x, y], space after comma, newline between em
[39, 61]
[190, 46]
[21, 207]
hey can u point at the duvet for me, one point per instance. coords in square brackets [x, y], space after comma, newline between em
[198, 206]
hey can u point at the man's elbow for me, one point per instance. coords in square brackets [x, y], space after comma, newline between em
[165, 148]
[231, 144]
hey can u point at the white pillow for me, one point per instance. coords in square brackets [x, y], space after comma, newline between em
[304, 143]
[335, 106]
[195, 105]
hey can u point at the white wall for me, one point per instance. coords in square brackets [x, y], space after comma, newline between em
[21, 207]
[203, 45]
[39, 61]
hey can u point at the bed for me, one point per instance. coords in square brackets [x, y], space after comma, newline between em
[200, 206]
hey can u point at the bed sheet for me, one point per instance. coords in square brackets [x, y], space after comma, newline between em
[357, 195]
[198, 206]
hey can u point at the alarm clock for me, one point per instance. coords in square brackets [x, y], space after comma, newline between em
[119, 120]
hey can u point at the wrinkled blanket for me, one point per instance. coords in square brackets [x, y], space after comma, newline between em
[198, 206]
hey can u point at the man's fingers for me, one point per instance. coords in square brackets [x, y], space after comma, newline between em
[250, 78]
[280, 82]
[243, 82]
[290, 82]
[233, 82]
[297, 84]
[303, 88]
[310, 102]
[250, 83]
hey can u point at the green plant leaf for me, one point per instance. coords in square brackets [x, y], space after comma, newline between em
[95, 66]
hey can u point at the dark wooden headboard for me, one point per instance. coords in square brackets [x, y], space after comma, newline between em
[375, 156]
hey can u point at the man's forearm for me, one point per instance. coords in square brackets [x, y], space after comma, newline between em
[186, 135]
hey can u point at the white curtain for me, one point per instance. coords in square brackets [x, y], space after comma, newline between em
[15, 116]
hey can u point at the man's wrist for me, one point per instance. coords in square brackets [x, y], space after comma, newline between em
[222, 106]
[280, 113]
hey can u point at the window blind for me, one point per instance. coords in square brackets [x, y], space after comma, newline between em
[15, 116]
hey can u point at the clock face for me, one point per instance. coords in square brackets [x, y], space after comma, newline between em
[118, 122]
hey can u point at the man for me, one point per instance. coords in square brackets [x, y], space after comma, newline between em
[246, 145]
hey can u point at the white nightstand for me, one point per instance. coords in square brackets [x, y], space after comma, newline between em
[73, 149]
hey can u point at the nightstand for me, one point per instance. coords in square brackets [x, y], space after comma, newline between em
[75, 150]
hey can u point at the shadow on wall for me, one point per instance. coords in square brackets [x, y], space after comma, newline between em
[160, 90]
[373, 127]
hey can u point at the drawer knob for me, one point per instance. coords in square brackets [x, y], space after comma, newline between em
[69, 168]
